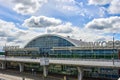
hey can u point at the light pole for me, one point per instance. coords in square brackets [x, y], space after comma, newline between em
[113, 48]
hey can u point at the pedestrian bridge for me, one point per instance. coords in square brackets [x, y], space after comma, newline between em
[66, 61]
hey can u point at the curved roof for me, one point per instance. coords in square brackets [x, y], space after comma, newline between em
[73, 41]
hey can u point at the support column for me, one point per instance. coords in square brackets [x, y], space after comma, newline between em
[21, 66]
[44, 62]
[45, 71]
[3, 65]
[80, 73]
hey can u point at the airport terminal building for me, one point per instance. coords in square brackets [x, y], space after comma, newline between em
[55, 46]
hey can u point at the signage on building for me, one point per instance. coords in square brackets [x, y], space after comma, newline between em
[44, 61]
[101, 44]
[17, 48]
[6, 48]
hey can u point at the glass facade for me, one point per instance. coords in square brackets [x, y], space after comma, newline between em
[46, 43]
[49, 42]
[87, 53]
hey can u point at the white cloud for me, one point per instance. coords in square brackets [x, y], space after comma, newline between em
[69, 8]
[8, 3]
[11, 35]
[77, 33]
[102, 11]
[99, 2]
[46, 7]
[88, 35]
[66, 7]
[63, 28]
[25, 7]
[114, 7]
[8, 32]
[6, 28]
[111, 24]
[41, 21]
[38, 7]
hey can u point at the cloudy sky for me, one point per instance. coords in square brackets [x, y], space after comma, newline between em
[89, 20]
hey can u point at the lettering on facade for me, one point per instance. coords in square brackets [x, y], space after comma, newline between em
[13, 48]
[110, 44]
[5, 48]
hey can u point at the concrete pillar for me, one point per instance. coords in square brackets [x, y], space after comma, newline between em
[45, 71]
[21, 66]
[80, 73]
[65, 78]
[3, 65]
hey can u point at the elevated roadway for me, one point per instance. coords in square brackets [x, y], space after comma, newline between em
[79, 63]
[66, 61]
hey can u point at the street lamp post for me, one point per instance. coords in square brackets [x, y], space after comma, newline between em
[113, 48]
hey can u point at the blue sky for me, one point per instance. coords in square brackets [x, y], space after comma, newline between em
[90, 20]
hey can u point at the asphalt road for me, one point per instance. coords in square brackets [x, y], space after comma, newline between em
[16, 75]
